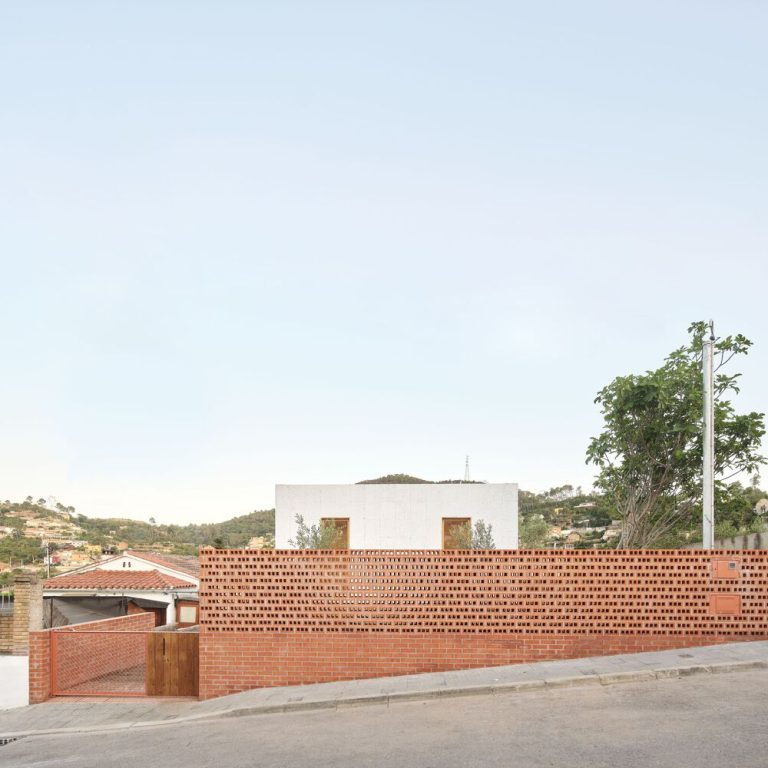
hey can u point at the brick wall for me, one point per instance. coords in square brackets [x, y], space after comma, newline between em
[39, 666]
[104, 650]
[6, 631]
[65, 658]
[285, 617]
[27, 611]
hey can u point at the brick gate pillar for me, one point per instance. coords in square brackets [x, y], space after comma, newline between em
[27, 611]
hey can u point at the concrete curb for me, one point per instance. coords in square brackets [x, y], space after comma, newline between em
[385, 699]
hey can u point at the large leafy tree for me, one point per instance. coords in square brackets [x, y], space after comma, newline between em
[649, 453]
[533, 532]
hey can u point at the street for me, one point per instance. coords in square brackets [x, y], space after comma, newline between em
[718, 719]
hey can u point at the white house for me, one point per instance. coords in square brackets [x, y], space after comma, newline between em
[394, 516]
[160, 583]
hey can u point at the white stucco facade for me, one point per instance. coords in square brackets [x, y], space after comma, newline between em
[388, 516]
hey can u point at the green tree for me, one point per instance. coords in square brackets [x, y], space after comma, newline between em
[649, 453]
[323, 536]
[533, 532]
[479, 537]
[398, 479]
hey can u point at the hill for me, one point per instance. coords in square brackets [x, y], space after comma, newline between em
[560, 516]
[75, 539]
[394, 479]
[181, 539]
[401, 479]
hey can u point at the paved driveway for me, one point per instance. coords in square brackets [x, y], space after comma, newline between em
[14, 677]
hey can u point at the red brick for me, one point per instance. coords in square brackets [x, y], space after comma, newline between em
[84, 652]
[286, 617]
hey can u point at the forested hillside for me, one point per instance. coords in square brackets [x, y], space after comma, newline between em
[184, 539]
[26, 525]
[546, 519]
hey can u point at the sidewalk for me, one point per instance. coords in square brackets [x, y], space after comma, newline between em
[14, 685]
[73, 715]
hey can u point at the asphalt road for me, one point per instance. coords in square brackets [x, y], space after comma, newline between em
[707, 720]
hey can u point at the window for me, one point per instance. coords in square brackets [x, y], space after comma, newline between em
[188, 614]
[451, 527]
[342, 526]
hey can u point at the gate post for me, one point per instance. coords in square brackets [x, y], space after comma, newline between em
[53, 662]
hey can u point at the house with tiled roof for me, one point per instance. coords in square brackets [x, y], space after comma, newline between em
[133, 582]
[188, 564]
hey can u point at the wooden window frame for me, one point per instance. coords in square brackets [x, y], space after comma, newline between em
[453, 521]
[187, 604]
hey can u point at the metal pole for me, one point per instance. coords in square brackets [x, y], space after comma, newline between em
[708, 494]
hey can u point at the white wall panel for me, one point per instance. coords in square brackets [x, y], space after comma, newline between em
[405, 516]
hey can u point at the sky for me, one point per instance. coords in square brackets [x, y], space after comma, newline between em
[249, 243]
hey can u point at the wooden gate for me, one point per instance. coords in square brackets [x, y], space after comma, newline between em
[172, 664]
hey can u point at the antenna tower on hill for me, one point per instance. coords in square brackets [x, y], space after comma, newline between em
[466, 470]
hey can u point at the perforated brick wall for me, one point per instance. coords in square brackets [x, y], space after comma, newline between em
[289, 617]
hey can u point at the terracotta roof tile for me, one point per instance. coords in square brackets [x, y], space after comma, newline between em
[185, 563]
[127, 579]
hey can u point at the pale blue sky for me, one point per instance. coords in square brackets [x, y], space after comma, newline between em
[251, 243]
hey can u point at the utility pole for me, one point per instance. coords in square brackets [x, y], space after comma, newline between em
[708, 491]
